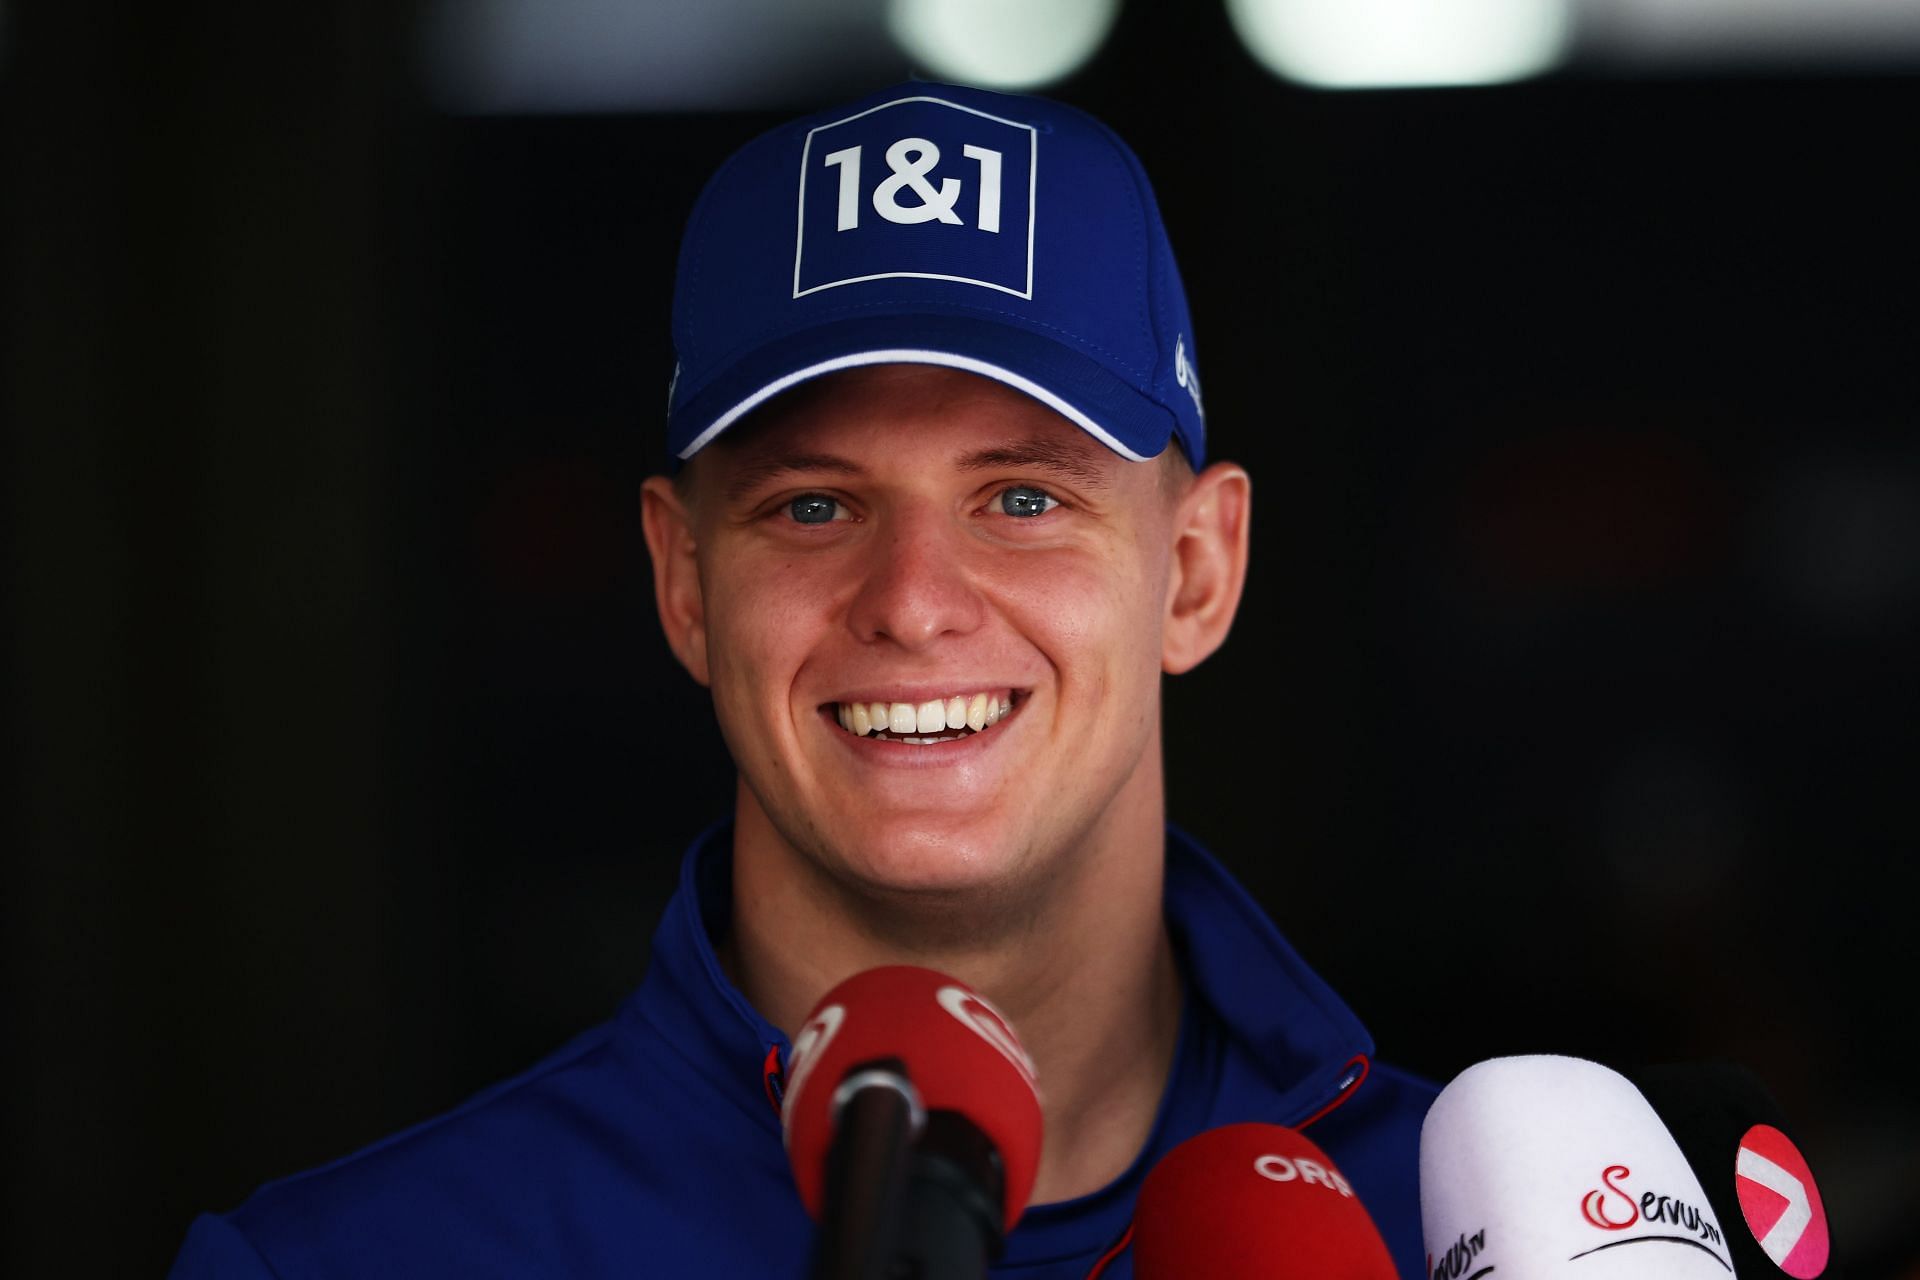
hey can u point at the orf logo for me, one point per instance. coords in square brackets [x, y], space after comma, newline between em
[807, 1048]
[1277, 1168]
[1596, 1208]
[981, 1018]
[917, 187]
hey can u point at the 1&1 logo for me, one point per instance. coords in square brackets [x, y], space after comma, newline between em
[917, 187]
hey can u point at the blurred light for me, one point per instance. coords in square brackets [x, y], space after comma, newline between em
[1709, 32]
[1001, 44]
[1843, 541]
[1575, 512]
[1379, 44]
[1674, 815]
[533, 56]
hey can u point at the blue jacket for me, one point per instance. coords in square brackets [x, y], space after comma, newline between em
[650, 1146]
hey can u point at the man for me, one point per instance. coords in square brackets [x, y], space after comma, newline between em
[942, 520]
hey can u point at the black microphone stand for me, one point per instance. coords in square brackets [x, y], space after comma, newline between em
[877, 1116]
[955, 1190]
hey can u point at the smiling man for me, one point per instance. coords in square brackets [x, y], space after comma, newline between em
[940, 520]
[933, 613]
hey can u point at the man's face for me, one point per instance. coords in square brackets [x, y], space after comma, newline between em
[900, 536]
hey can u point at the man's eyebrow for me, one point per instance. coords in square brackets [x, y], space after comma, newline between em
[1041, 455]
[754, 474]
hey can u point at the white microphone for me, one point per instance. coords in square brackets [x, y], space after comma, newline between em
[1550, 1167]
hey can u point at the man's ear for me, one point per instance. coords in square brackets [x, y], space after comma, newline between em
[1208, 567]
[676, 575]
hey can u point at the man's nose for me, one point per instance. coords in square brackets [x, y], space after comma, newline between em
[915, 586]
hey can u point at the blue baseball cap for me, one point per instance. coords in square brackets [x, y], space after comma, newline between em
[1010, 236]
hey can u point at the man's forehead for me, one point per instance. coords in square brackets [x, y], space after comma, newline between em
[889, 417]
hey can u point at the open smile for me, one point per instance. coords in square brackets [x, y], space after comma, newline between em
[925, 723]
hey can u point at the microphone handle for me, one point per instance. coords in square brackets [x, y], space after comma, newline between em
[955, 1191]
[866, 1177]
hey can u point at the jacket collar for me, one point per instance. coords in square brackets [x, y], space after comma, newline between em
[1302, 1038]
[687, 998]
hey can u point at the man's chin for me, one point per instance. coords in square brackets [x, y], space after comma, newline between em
[927, 863]
[939, 897]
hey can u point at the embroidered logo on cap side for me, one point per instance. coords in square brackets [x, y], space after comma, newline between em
[918, 187]
[1185, 374]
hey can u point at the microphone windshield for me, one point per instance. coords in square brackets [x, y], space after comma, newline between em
[1549, 1166]
[1253, 1200]
[1760, 1186]
[958, 1051]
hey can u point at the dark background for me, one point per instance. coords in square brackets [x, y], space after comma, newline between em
[1571, 709]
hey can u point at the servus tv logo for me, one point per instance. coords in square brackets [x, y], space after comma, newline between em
[1461, 1261]
[1614, 1207]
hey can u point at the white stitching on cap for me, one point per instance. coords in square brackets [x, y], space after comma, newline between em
[914, 356]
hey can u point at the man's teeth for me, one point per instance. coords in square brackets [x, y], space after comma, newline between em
[903, 719]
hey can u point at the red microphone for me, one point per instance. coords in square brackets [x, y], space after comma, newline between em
[902, 1064]
[1248, 1200]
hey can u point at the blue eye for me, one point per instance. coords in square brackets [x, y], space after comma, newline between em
[1021, 500]
[813, 508]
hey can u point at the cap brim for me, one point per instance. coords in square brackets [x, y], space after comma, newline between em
[1078, 388]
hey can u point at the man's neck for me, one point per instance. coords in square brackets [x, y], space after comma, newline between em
[1085, 972]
